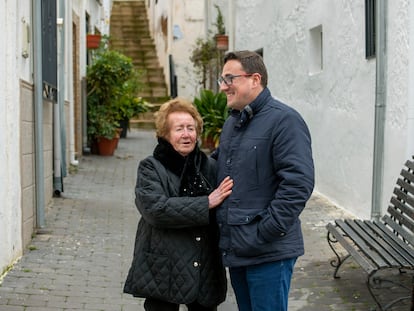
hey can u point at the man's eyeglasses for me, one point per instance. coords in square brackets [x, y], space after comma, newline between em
[228, 80]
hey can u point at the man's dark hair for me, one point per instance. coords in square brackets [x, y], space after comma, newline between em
[251, 63]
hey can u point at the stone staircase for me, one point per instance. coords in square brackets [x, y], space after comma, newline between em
[129, 34]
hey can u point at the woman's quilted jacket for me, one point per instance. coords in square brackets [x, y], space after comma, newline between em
[176, 255]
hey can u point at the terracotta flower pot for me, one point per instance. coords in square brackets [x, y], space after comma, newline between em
[93, 41]
[222, 42]
[208, 143]
[106, 147]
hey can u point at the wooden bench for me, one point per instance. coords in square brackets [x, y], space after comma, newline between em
[384, 244]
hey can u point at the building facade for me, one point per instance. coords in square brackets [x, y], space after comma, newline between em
[346, 66]
[42, 63]
[351, 79]
[358, 104]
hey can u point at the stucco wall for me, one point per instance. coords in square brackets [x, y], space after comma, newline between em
[27, 170]
[10, 191]
[191, 20]
[17, 134]
[189, 16]
[337, 102]
[397, 132]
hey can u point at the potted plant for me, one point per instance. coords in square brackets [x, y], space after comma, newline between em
[222, 40]
[93, 41]
[214, 111]
[130, 105]
[129, 108]
[204, 58]
[102, 130]
[112, 85]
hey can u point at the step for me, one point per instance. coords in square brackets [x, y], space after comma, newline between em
[119, 20]
[133, 44]
[129, 34]
[153, 93]
[142, 124]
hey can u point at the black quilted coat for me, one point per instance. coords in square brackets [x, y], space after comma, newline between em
[176, 256]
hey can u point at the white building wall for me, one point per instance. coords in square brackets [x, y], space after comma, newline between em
[337, 101]
[17, 191]
[159, 20]
[187, 21]
[396, 130]
[189, 16]
[99, 19]
[10, 190]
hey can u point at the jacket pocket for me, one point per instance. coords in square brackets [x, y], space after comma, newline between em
[244, 233]
[158, 267]
[152, 275]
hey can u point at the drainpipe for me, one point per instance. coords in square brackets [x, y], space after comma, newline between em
[57, 142]
[170, 50]
[69, 49]
[207, 21]
[380, 105]
[231, 24]
[38, 107]
[410, 119]
[85, 148]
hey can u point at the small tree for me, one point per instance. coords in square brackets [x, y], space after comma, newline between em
[204, 57]
[207, 54]
[221, 29]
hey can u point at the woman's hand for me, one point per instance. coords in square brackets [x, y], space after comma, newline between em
[220, 193]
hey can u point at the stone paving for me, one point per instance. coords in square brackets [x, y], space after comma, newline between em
[80, 259]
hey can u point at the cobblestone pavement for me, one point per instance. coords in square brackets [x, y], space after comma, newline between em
[80, 259]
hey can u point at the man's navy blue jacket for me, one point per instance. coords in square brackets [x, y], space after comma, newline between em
[267, 151]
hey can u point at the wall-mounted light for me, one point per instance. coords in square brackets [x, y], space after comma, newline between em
[177, 33]
[25, 38]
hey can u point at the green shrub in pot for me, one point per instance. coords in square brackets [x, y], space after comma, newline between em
[214, 111]
[112, 84]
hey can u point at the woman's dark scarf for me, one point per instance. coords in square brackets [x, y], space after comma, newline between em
[192, 181]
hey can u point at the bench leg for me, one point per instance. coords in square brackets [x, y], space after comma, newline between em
[336, 263]
[412, 298]
[374, 282]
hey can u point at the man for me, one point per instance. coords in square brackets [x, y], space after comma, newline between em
[265, 147]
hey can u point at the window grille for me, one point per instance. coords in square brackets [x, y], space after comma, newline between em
[370, 32]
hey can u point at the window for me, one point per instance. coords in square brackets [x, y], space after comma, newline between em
[370, 6]
[260, 52]
[316, 50]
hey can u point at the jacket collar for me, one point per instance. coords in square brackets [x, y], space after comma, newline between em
[251, 109]
[172, 160]
[188, 169]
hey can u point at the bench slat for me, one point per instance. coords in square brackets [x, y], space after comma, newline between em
[397, 228]
[409, 171]
[405, 184]
[409, 202]
[409, 250]
[367, 266]
[410, 164]
[394, 246]
[366, 243]
[361, 244]
[398, 213]
[380, 245]
[408, 176]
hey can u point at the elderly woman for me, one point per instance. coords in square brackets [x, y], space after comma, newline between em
[176, 258]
